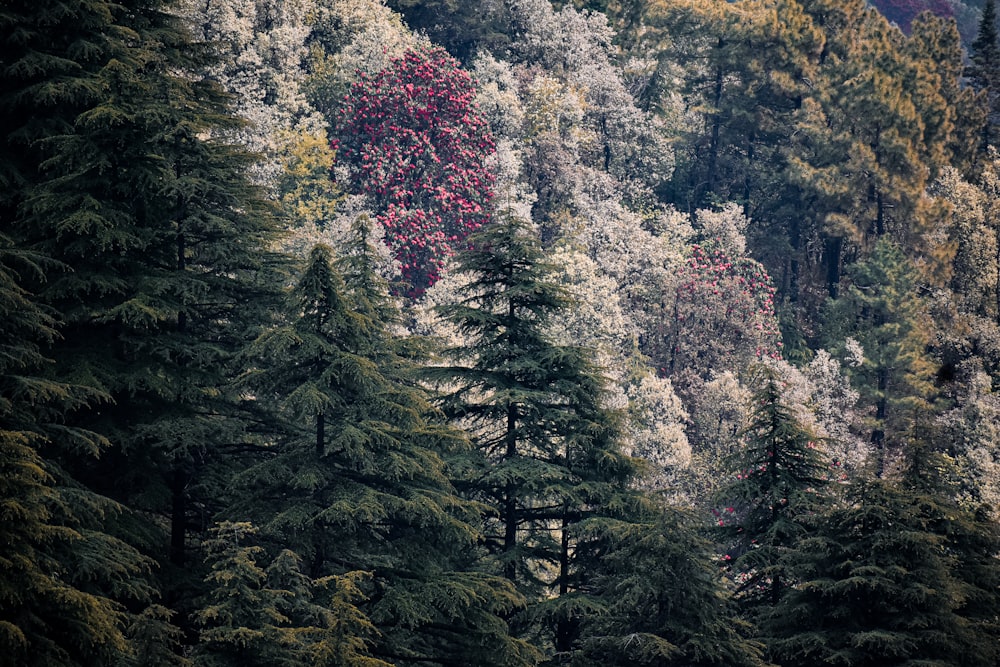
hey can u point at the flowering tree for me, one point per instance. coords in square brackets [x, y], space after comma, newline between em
[413, 140]
[722, 312]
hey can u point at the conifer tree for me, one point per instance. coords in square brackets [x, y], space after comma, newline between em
[355, 482]
[779, 477]
[666, 604]
[51, 611]
[549, 464]
[984, 72]
[242, 616]
[885, 578]
[882, 310]
[274, 614]
[161, 261]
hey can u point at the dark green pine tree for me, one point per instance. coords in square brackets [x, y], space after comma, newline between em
[971, 539]
[895, 574]
[57, 604]
[547, 459]
[984, 71]
[974, 538]
[779, 476]
[113, 171]
[667, 605]
[881, 309]
[355, 482]
[273, 615]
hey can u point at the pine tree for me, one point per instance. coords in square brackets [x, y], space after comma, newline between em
[666, 602]
[952, 115]
[882, 310]
[549, 465]
[889, 577]
[779, 477]
[984, 72]
[356, 483]
[160, 250]
[50, 610]
[462, 27]
[242, 615]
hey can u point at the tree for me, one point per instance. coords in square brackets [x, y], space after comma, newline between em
[882, 581]
[779, 477]
[354, 479]
[51, 611]
[242, 616]
[549, 464]
[722, 309]
[461, 27]
[984, 71]
[880, 310]
[151, 241]
[666, 602]
[883, 312]
[413, 141]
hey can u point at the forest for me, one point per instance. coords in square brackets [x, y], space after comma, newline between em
[499, 333]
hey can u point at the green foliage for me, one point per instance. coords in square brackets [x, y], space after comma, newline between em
[549, 462]
[152, 382]
[154, 639]
[665, 601]
[463, 27]
[62, 578]
[356, 480]
[984, 70]
[779, 477]
[241, 617]
[881, 582]
[882, 311]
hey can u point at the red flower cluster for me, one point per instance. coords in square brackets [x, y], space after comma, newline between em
[415, 143]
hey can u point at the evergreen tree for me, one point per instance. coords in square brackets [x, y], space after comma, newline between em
[984, 71]
[952, 115]
[462, 27]
[242, 617]
[56, 604]
[884, 580]
[161, 261]
[779, 478]
[277, 615]
[882, 310]
[549, 464]
[666, 602]
[356, 482]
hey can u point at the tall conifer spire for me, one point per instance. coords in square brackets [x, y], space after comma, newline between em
[984, 73]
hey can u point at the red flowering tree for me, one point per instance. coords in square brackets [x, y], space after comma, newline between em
[413, 141]
[722, 315]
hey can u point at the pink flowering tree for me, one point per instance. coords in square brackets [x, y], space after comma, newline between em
[721, 316]
[414, 142]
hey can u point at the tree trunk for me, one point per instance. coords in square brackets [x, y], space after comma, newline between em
[510, 497]
[178, 514]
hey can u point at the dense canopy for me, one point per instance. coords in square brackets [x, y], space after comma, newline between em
[499, 332]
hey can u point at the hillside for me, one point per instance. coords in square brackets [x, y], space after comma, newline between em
[500, 332]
